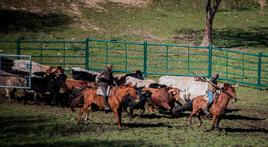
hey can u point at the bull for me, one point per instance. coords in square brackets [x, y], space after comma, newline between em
[189, 86]
[164, 98]
[8, 79]
[83, 74]
[46, 88]
[138, 82]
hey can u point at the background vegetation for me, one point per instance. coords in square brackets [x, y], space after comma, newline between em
[237, 24]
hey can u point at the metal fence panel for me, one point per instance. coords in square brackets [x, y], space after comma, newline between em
[152, 59]
[123, 55]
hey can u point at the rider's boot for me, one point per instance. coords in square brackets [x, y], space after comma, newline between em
[106, 104]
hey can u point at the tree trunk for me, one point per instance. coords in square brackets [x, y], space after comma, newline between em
[210, 13]
[207, 39]
[262, 4]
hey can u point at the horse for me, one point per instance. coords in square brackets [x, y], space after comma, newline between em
[218, 106]
[117, 97]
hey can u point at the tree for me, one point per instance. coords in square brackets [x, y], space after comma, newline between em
[211, 9]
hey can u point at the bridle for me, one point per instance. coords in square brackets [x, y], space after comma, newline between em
[227, 93]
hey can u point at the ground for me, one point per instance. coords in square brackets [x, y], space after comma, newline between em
[245, 124]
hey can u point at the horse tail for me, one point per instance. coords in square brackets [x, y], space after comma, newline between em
[75, 102]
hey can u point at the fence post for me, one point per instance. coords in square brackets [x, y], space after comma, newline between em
[209, 60]
[87, 54]
[18, 45]
[145, 58]
[259, 70]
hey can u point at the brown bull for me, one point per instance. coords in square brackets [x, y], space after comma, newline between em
[218, 106]
[164, 97]
[118, 95]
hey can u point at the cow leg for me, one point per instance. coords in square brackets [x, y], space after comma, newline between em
[35, 97]
[150, 108]
[12, 93]
[166, 106]
[142, 110]
[7, 95]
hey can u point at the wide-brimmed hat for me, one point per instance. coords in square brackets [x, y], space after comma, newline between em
[215, 75]
[109, 66]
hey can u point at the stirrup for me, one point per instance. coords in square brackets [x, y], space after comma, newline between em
[107, 108]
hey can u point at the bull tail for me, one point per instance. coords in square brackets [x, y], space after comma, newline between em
[185, 107]
[75, 102]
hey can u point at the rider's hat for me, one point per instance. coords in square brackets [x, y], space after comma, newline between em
[110, 66]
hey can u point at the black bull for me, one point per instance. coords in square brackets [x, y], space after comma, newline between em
[46, 88]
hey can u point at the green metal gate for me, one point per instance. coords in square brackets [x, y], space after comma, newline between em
[153, 59]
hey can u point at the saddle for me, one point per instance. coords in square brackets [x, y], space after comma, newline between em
[101, 93]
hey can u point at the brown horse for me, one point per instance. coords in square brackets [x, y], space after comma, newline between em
[218, 106]
[116, 99]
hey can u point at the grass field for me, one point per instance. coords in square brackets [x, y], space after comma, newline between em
[242, 29]
[245, 124]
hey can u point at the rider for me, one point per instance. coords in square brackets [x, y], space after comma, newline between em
[106, 79]
[211, 93]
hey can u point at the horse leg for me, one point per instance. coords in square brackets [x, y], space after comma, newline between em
[116, 114]
[119, 110]
[214, 119]
[200, 120]
[194, 112]
[87, 113]
[191, 115]
[190, 118]
[83, 109]
[218, 123]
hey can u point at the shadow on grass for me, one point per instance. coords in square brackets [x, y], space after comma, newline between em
[229, 37]
[241, 130]
[104, 143]
[255, 37]
[232, 110]
[167, 115]
[40, 125]
[240, 117]
[18, 20]
[144, 125]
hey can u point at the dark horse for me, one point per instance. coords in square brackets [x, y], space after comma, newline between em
[116, 99]
[218, 106]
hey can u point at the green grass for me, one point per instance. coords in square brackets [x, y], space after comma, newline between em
[245, 124]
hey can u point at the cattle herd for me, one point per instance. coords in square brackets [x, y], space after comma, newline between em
[170, 94]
